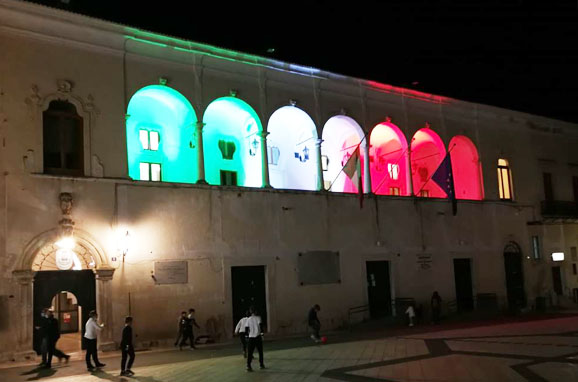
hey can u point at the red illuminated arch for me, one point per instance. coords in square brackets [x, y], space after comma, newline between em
[466, 168]
[427, 152]
[388, 156]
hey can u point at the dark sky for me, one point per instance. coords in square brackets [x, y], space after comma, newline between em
[520, 54]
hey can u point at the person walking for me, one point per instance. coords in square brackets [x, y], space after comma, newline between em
[42, 340]
[52, 336]
[90, 335]
[436, 307]
[314, 323]
[127, 348]
[410, 311]
[254, 334]
[240, 330]
[188, 333]
[182, 323]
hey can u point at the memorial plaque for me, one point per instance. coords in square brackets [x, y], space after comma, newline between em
[424, 261]
[171, 272]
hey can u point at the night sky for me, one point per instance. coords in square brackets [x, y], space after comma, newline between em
[521, 55]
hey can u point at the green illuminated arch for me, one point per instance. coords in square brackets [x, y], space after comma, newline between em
[231, 143]
[159, 109]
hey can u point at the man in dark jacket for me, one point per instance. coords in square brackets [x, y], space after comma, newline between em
[52, 334]
[313, 322]
[127, 348]
[182, 324]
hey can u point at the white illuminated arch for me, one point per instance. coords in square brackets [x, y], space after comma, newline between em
[341, 135]
[291, 149]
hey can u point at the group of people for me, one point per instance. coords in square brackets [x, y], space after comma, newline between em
[436, 308]
[48, 331]
[185, 332]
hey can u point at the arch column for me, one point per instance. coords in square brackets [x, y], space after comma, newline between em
[200, 153]
[366, 169]
[104, 306]
[320, 185]
[24, 322]
[264, 159]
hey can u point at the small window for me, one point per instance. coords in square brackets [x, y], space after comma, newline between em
[149, 140]
[574, 269]
[573, 254]
[63, 142]
[150, 171]
[394, 191]
[273, 154]
[536, 247]
[548, 189]
[228, 178]
[227, 149]
[393, 170]
[505, 180]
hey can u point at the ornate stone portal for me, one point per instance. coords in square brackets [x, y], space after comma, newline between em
[40, 255]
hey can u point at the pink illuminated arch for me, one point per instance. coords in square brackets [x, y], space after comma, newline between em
[341, 136]
[388, 157]
[427, 152]
[466, 168]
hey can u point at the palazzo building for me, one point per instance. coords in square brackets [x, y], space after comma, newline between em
[143, 174]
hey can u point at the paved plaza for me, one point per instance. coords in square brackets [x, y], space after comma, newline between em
[538, 350]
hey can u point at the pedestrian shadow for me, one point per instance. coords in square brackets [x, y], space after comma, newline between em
[40, 372]
[116, 378]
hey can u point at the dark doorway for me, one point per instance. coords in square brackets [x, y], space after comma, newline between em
[378, 288]
[47, 284]
[514, 276]
[248, 285]
[557, 280]
[463, 281]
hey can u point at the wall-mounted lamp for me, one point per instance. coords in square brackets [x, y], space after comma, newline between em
[123, 243]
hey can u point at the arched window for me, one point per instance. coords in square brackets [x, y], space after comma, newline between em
[427, 152]
[388, 156]
[505, 180]
[341, 136]
[466, 169]
[292, 151]
[159, 135]
[231, 143]
[63, 142]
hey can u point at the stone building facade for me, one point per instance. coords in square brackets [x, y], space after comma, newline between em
[103, 197]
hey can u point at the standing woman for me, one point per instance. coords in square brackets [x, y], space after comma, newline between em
[91, 334]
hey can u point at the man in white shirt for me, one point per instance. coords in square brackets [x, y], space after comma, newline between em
[240, 330]
[92, 329]
[254, 332]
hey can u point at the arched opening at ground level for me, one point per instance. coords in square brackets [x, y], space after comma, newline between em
[50, 284]
[69, 315]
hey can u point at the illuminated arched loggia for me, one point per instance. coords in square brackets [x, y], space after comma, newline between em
[388, 155]
[231, 142]
[292, 149]
[159, 128]
[427, 152]
[341, 136]
[466, 168]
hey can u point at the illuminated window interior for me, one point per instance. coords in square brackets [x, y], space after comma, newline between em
[505, 180]
[231, 143]
[156, 111]
[292, 134]
[149, 140]
[427, 152]
[341, 136]
[150, 171]
[466, 168]
[388, 158]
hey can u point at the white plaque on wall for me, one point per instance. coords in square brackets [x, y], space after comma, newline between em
[171, 272]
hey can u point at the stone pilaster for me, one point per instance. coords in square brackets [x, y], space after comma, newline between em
[264, 159]
[104, 306]
[320, 185]
[200, 153]
[24, 322]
